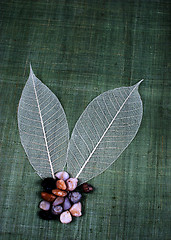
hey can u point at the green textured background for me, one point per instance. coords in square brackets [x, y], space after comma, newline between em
[80, 49]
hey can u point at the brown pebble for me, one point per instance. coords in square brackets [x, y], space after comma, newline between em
[48, 196]
[61, 184]
[59, 192]
[87, 187]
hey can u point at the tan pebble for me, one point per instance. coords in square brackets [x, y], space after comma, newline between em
[59, 193]
[75, 210]
[62, 175]
[48, 196]
[65, 217]
[58, 201]
[61, 184]
[71, 184]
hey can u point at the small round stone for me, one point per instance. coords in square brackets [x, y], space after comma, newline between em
[48, 184]
[59, 193]
[56, 210]
[75, 210]
[75, 197]
[58, 201]
[62, 175]
[44, 205]
[48, 196]
[71, 184]
[61, 184]
[65, 217]
[66, 204]
[46, 215]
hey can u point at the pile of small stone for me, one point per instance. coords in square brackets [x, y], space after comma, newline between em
[61, 199]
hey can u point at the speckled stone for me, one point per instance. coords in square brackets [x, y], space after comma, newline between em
[71, 184]
[75, 197]
[56, 210]
[59, 193]
[75, 210]
[60, 184]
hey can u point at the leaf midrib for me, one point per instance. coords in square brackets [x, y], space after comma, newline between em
[43, 128]
[106, 131]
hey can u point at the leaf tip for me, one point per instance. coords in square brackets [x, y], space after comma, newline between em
[31, 70]
[138, 83]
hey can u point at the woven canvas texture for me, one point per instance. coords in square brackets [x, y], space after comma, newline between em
[80, 49]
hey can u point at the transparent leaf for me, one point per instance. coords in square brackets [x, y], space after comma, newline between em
[103, 131]
[43, 127]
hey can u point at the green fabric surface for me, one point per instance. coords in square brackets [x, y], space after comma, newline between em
[80, 49]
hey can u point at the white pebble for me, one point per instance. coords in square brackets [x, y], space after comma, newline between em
[62, 175]
[71, 184]
[75, 210]
[44, 205]
[65, 217]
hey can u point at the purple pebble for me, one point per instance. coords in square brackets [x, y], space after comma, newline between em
[66, 204]
[75, 197]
